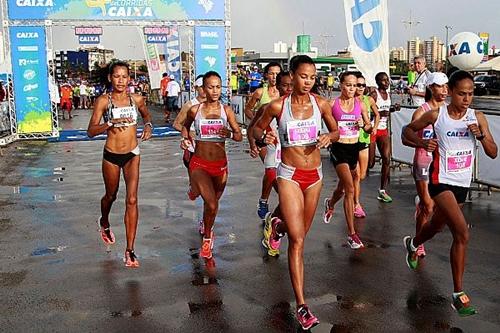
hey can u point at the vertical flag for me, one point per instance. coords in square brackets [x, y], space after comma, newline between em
[210, 52]
[367, 31]
[152, 56]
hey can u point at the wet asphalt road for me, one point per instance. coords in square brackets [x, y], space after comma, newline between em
[57, 276]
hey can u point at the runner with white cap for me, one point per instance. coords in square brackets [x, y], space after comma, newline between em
[437, 91]
[457, 130]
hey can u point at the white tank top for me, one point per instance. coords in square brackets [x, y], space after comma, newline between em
[383, 105]
[208, 129]
[298, 132]
[453, 160]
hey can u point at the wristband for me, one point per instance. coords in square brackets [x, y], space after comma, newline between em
[260, 142]
[231, 134]
[149, 124]
[110, 124]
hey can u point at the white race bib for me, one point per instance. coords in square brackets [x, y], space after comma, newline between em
[124, 112]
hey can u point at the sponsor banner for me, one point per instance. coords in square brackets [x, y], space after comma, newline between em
[172, 52]
[210, 51]
[156, 39]
[485, 37]
[368, 34]
[89, 39]
[237, 103]
[156, 30]
[488, 170]
[400, 119]
[29, 68]
[88, 31]
[169, 10]
[155, 67]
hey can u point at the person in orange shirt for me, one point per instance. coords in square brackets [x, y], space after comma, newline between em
[66, 99]
[163, 90]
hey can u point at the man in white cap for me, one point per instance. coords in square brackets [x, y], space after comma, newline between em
[417, 91]
[172, 94]
[437, 90]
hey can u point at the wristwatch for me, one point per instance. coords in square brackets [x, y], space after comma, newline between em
[110, 124]
[149, 124]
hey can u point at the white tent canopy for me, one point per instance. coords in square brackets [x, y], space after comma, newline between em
[490, 65]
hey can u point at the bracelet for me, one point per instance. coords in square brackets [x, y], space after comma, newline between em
[231, 134]
[110, 124]
[149, 124]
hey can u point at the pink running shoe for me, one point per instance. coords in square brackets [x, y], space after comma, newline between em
[355, 242]
[421, 251]
[107, 236]
[275, 239]
[131, 259]
[359, 212]
[328, 214]
[306, 319]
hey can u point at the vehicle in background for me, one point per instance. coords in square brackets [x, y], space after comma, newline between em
[486, 85]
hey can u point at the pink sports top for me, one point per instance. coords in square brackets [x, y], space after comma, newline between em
[347, 121]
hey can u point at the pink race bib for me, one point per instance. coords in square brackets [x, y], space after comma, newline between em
[302, 132]
[209, 128]
[458, 161]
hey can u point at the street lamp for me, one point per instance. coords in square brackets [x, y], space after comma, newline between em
[410, 24]
[447, 27]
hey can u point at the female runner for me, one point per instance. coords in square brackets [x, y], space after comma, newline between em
[208, 165]
[299, 118]
[121, 151]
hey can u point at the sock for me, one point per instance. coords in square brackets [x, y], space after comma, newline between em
[263, 200]
[455, 295]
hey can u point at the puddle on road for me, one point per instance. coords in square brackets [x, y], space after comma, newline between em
[11, 279]
[47, 251]
[211, 305]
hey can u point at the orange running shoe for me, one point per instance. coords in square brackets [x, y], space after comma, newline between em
[131, 259]
[206, 248]
[107, 236]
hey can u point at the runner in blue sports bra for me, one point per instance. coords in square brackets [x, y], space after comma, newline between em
[121, 151]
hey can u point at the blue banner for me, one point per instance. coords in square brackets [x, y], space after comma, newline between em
[31, 89]
[210, 51]
[173, 54]
[169, 10]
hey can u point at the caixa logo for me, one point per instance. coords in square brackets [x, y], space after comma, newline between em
[458, 134]
[29, 74]
[360, 11]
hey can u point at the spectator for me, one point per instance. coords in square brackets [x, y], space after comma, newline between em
[76, 96]
[3, 92]
[417, 90]
[173, 91]
[163, 91]
[255, 79]
[84, 96]
[411, 75]
[66, 97]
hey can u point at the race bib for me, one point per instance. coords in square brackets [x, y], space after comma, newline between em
[348, 129]
[209, 128]
[382, 125]
[302, 132]
[124, 112]
[458, 161]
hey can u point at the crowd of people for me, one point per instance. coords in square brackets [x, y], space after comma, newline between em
[289, 127]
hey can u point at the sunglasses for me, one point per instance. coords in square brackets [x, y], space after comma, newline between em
[361, 85]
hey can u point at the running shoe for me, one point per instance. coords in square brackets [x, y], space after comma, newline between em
[107, 236]
[206, 248]
[328, 214]
[421, 251]
[267, 235]
[131, 259]
[461, 304]
[411, 255]
[383, 196]
[275, 237]
[355, 242]
[359, 211]
[262, 209]
[306, 319]
[191, 195]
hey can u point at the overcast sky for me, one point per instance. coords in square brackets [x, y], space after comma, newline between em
[257, 24]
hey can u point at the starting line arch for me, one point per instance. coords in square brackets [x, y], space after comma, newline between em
[28, 44]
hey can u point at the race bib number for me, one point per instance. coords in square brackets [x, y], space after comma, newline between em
[302, 132]
[348, 129]
[209, 128]
[458, 161]
[125, 112]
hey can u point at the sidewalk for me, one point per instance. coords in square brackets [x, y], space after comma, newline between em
[57, 276]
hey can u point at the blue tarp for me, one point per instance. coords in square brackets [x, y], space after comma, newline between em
[81, 135]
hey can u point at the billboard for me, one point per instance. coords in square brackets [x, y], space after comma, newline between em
[31, 90]
[210, 51]
[170, 10]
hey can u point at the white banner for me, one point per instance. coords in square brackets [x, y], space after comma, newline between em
[368, 33]
[400, 119]
[237, 103]
[155, 67]
[488, 170]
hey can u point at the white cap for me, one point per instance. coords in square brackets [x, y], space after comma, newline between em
[436, 78]
[172, 76]
[198, 82]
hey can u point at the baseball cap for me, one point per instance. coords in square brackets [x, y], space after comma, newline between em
[199, 82]
[172, 76]
[436, 78]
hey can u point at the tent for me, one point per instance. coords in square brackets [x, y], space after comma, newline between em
[490, 65]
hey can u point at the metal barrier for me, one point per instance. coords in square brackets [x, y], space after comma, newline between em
[486, 171]
[4, 117]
